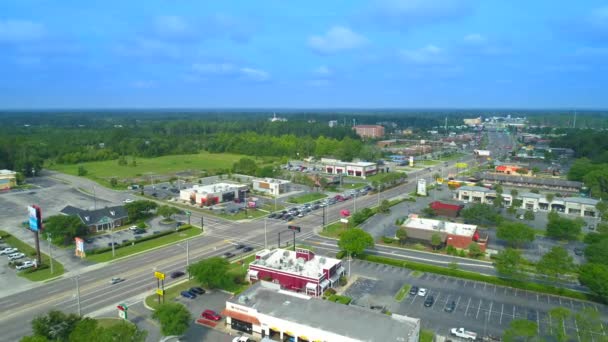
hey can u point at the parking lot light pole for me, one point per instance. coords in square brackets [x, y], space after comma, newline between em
[112, 237]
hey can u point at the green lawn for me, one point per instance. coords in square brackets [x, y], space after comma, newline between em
[145, 245]
[426, 336]
[405, 289]
[351, 186]
[31, 274]
[334, 230]
[103, 171]
[238, 267]
[307, 198]
[241, 215]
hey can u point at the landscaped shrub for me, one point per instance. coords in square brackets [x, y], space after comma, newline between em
[451, 250]
[329, 292]
[387, 239]
[343, 281]
[340, 255]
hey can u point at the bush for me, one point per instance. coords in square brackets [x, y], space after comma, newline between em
[339, 299]
[329, 292]
[343, 281]
[340, 255]
[462, 253]
[451, 250]
[387, 240]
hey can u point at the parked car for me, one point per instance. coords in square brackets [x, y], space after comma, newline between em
[16, 256]
[228, 255]
[176, 274]
[188, 294]
[422, 292]
[414, 290]
[272, 215]
[139, 231]
[110, 244]
[450, 307]
[239, 246]
[133, 228]
[26, 264]
[128, 200]
[8, 250]
[116, 280]
[212, 315]
[428, 302]
[197, 290]
[241, 339]
[578, 251]
[89, 240]
[247, 249]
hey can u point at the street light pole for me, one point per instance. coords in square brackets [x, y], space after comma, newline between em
[50, 252]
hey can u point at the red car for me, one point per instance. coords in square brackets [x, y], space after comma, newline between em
[212, 315]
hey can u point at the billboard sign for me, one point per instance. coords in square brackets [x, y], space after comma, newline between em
[35, 218]
[79, 247]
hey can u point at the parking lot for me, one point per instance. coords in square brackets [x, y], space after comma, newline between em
[480, 307]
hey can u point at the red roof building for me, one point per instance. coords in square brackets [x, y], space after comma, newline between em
[446, 209]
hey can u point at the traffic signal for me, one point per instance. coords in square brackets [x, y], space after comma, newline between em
[296, 228]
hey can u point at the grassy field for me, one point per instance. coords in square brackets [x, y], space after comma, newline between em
[31, 274]
[103, 171]
[334, 230]
[238, 267]
[140, 247]
[110, 322]
[313, 196]
[405, 289]
[426, 336]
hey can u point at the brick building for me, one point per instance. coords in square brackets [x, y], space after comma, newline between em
[369, 131]
[452, 234]
[446, 209]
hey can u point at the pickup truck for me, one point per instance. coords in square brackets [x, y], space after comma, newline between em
[460, 332]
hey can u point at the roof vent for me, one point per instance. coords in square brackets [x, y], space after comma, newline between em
[86, 218]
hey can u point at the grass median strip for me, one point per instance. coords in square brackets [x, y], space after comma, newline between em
[405, 289]
[313, 196]
[479, 277]
[41, 273]
[144, 245]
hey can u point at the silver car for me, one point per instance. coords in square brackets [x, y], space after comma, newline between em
[8, 250]
[16, 256]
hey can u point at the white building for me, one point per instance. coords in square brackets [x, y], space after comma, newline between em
[271, 186]
[355, 169]
[333, 123]
[213, 194]
[266, 310]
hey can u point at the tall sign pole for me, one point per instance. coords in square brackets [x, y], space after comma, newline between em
[35, 223]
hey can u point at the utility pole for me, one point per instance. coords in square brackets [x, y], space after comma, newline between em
[265, 236]
[50, 252]
[324, 213]
[78, 295]
[355, 203]
[202, 222]
[112, 236]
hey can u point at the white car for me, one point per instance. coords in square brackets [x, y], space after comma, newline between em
[16, 256]
[8, 250]
[241, 339]
[133, 228]
[422, 292]
[26, 264]
[128, 200]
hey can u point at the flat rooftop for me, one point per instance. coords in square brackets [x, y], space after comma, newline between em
[345, 320]
[339, 162]
[452, 228]
[214, 188]
[286, 261]
[272, 180]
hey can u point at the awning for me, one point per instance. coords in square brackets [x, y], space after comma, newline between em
[311, 286]
[240, 316]
[324, 283]
[253, 274]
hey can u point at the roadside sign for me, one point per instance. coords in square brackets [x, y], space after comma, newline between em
[344, 220]
[188, 213]
[160, 292]
[159, 275]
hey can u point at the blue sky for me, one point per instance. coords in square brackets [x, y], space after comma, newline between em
[272, 53]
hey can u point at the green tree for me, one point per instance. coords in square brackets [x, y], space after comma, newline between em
[138, 210]
[597, 252]
[511, 210]
[508, 263]
[64, 228]
[245, 166]
[212, 272]
[580, 168]
[428, 212]
[497, 202]
[174, 318]
[550, 197]
[562, 228]
[559, 315]
[595, 277]
[516, 203]
[529, 215]
[589, 324]
[113, 182]
[34, 338]
[555, 263]
[436, 240]
[475, 251]
[521, 330]
[498, 188]
[401, 235]
[385, 207]
[167, 211]
[355, 241]
[515, 233]
[82, 171]
[602, 208]
[55, 325]
[514, 192]
[481, 214]
[84, 330]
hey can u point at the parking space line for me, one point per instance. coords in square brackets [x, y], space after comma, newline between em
[538, 322]
[478, 308]
[438, 295]
[484, 286]
[560, 301]
[414, 299]
[495, 288]
[490, 312]
[502, 309]
[550, 324]
[505, 291]
[474, 284]
[515, 292]
[514, 312]
[457, 301]
[447, 299]
[467, 310]
[537, 298]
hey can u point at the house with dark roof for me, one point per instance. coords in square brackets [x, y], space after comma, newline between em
[99, 219]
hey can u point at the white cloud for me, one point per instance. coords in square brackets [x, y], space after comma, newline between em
[14, 31]
[231, 70]
[323, 70]
[336, 39]
[475, 38]
[429, 54]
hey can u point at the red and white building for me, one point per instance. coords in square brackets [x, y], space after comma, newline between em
[355, 169]
[300, 270]
[369, 131]
[454, 234]
[213, 193]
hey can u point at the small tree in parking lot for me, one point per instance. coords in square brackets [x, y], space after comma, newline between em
[436, 240]
[174, 318]
[401, 235]
[167, 211]
[529, 215]
[212, 272]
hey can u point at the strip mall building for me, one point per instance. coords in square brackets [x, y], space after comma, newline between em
[265, 310]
